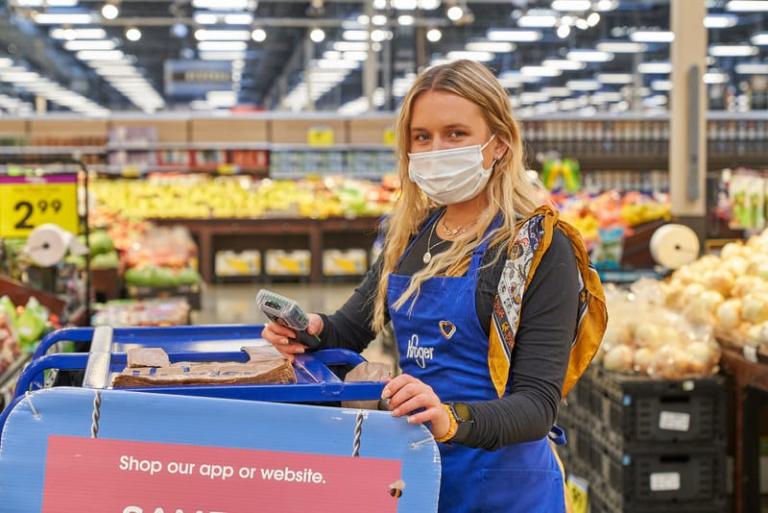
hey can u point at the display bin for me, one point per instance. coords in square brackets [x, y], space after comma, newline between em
[635, 409]
[602, 500]
[661, 473]
[577, 427]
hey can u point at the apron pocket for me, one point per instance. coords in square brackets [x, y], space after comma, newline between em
[522, 491]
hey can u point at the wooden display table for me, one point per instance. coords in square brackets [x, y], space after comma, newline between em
[316, 235]
[750, 380]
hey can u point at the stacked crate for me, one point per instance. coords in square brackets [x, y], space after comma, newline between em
[648, 446]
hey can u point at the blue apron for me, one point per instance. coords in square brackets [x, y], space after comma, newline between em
[442, 343]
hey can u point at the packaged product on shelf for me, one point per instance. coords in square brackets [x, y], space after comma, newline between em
[288, 263]
[350, 262]
[646, 337]
[238, 263]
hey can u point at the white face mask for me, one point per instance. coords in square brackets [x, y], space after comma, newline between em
[450, 176]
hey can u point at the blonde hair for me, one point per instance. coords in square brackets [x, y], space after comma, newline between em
[509, 192]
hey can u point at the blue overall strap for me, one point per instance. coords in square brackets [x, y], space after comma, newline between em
[557, 435]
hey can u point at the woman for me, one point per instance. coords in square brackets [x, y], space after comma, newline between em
[485, 293]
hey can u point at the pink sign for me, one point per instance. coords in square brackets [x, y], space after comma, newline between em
[107, 476]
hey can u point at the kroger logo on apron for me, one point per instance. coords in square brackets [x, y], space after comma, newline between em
[419, 354]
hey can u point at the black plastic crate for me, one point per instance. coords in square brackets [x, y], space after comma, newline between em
[661, 473]
[578, 434]
[635, 409]
[602, 499]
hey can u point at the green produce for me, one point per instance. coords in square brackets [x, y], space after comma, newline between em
[105, 261]
[32, 323]
[100, 243]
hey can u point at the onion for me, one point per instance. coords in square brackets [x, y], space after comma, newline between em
[618, 359]
[755, 308]
[729, 314]
[643, 359]
[732, 249]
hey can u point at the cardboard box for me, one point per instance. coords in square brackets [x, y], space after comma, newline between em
[349, 262]
[168, 130]
[238, 263]
[371, 131]
[288, 263]
[297, 131]
[229, 130]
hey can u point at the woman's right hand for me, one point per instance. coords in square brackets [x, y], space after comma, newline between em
[284, 339]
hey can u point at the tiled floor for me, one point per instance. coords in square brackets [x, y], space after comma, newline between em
[236, 304]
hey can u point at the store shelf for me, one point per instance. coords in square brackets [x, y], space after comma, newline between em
[312, 234]
[52, 150]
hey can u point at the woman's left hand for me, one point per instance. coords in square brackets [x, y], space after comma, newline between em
[406, 394]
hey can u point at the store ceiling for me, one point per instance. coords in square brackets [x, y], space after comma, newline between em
[91, 56]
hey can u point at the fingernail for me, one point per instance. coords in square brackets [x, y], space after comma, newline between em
[409, 420]
[301, 349]
[385, 394]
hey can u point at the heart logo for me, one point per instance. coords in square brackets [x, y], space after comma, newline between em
[447, 329]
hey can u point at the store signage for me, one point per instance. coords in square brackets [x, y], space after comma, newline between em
[140, 477]
[195, 78]
[27, 202]
[320, 136]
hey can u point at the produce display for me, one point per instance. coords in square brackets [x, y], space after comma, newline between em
[646, 337]
[9, 344]
[201, 196]
[28, 323]
[610, 210]
[162, 257]
[728, 292]
[155, 312]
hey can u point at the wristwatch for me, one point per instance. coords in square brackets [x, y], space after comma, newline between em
[461, 413]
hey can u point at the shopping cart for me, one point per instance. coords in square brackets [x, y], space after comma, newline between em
[88, 420]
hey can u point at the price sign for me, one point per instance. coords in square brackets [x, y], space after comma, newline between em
[28, 202]
[389, 137]
[227, 169]
[320, 136]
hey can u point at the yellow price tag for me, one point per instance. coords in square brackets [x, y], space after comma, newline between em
[577, 488]
[320, 136]
[227, 169]
[28, 202]
[389, 137]
[130, 172]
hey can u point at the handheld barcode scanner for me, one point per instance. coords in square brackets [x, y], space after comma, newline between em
[287, 312]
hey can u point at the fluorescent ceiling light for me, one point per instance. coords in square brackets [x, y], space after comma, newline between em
[533, 97]
[63, 18]
[540, 71]
[94, 44]
[571, 5]
[655, 68]
[220, 4]
[428, 5]
[747, 6]
[221, 98]
[405, 5]
[564, 64]
[405, 20]
[537, 19]
[606, 96]
[78, 33]
[654, 101]
[238, 19]
[259, 35]
[615, 78]
[752, 68]
[434, 35]
[514, 36]
[221, 56]
[583, 85]
[100, 55]
[45, 3]
[355, 35]
[356, 56]
[342, 64]
[350, 46]
[379, 20]
[652, 36]
[590, 56]
[332, 55]
[222, 46]
[222, 35]
[207, 18]
[621, 47]
[732, 51]
[557, 92]
[720, 21]
[473, 56]
[516, 78]
[5, 63]
[380, 35]
[490, 46]
[661, 85]
[760, 39]
[715, 77]
[19, 77]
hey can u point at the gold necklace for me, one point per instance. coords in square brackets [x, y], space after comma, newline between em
[456, 231]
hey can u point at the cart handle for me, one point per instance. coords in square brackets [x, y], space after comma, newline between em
[137, 335]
